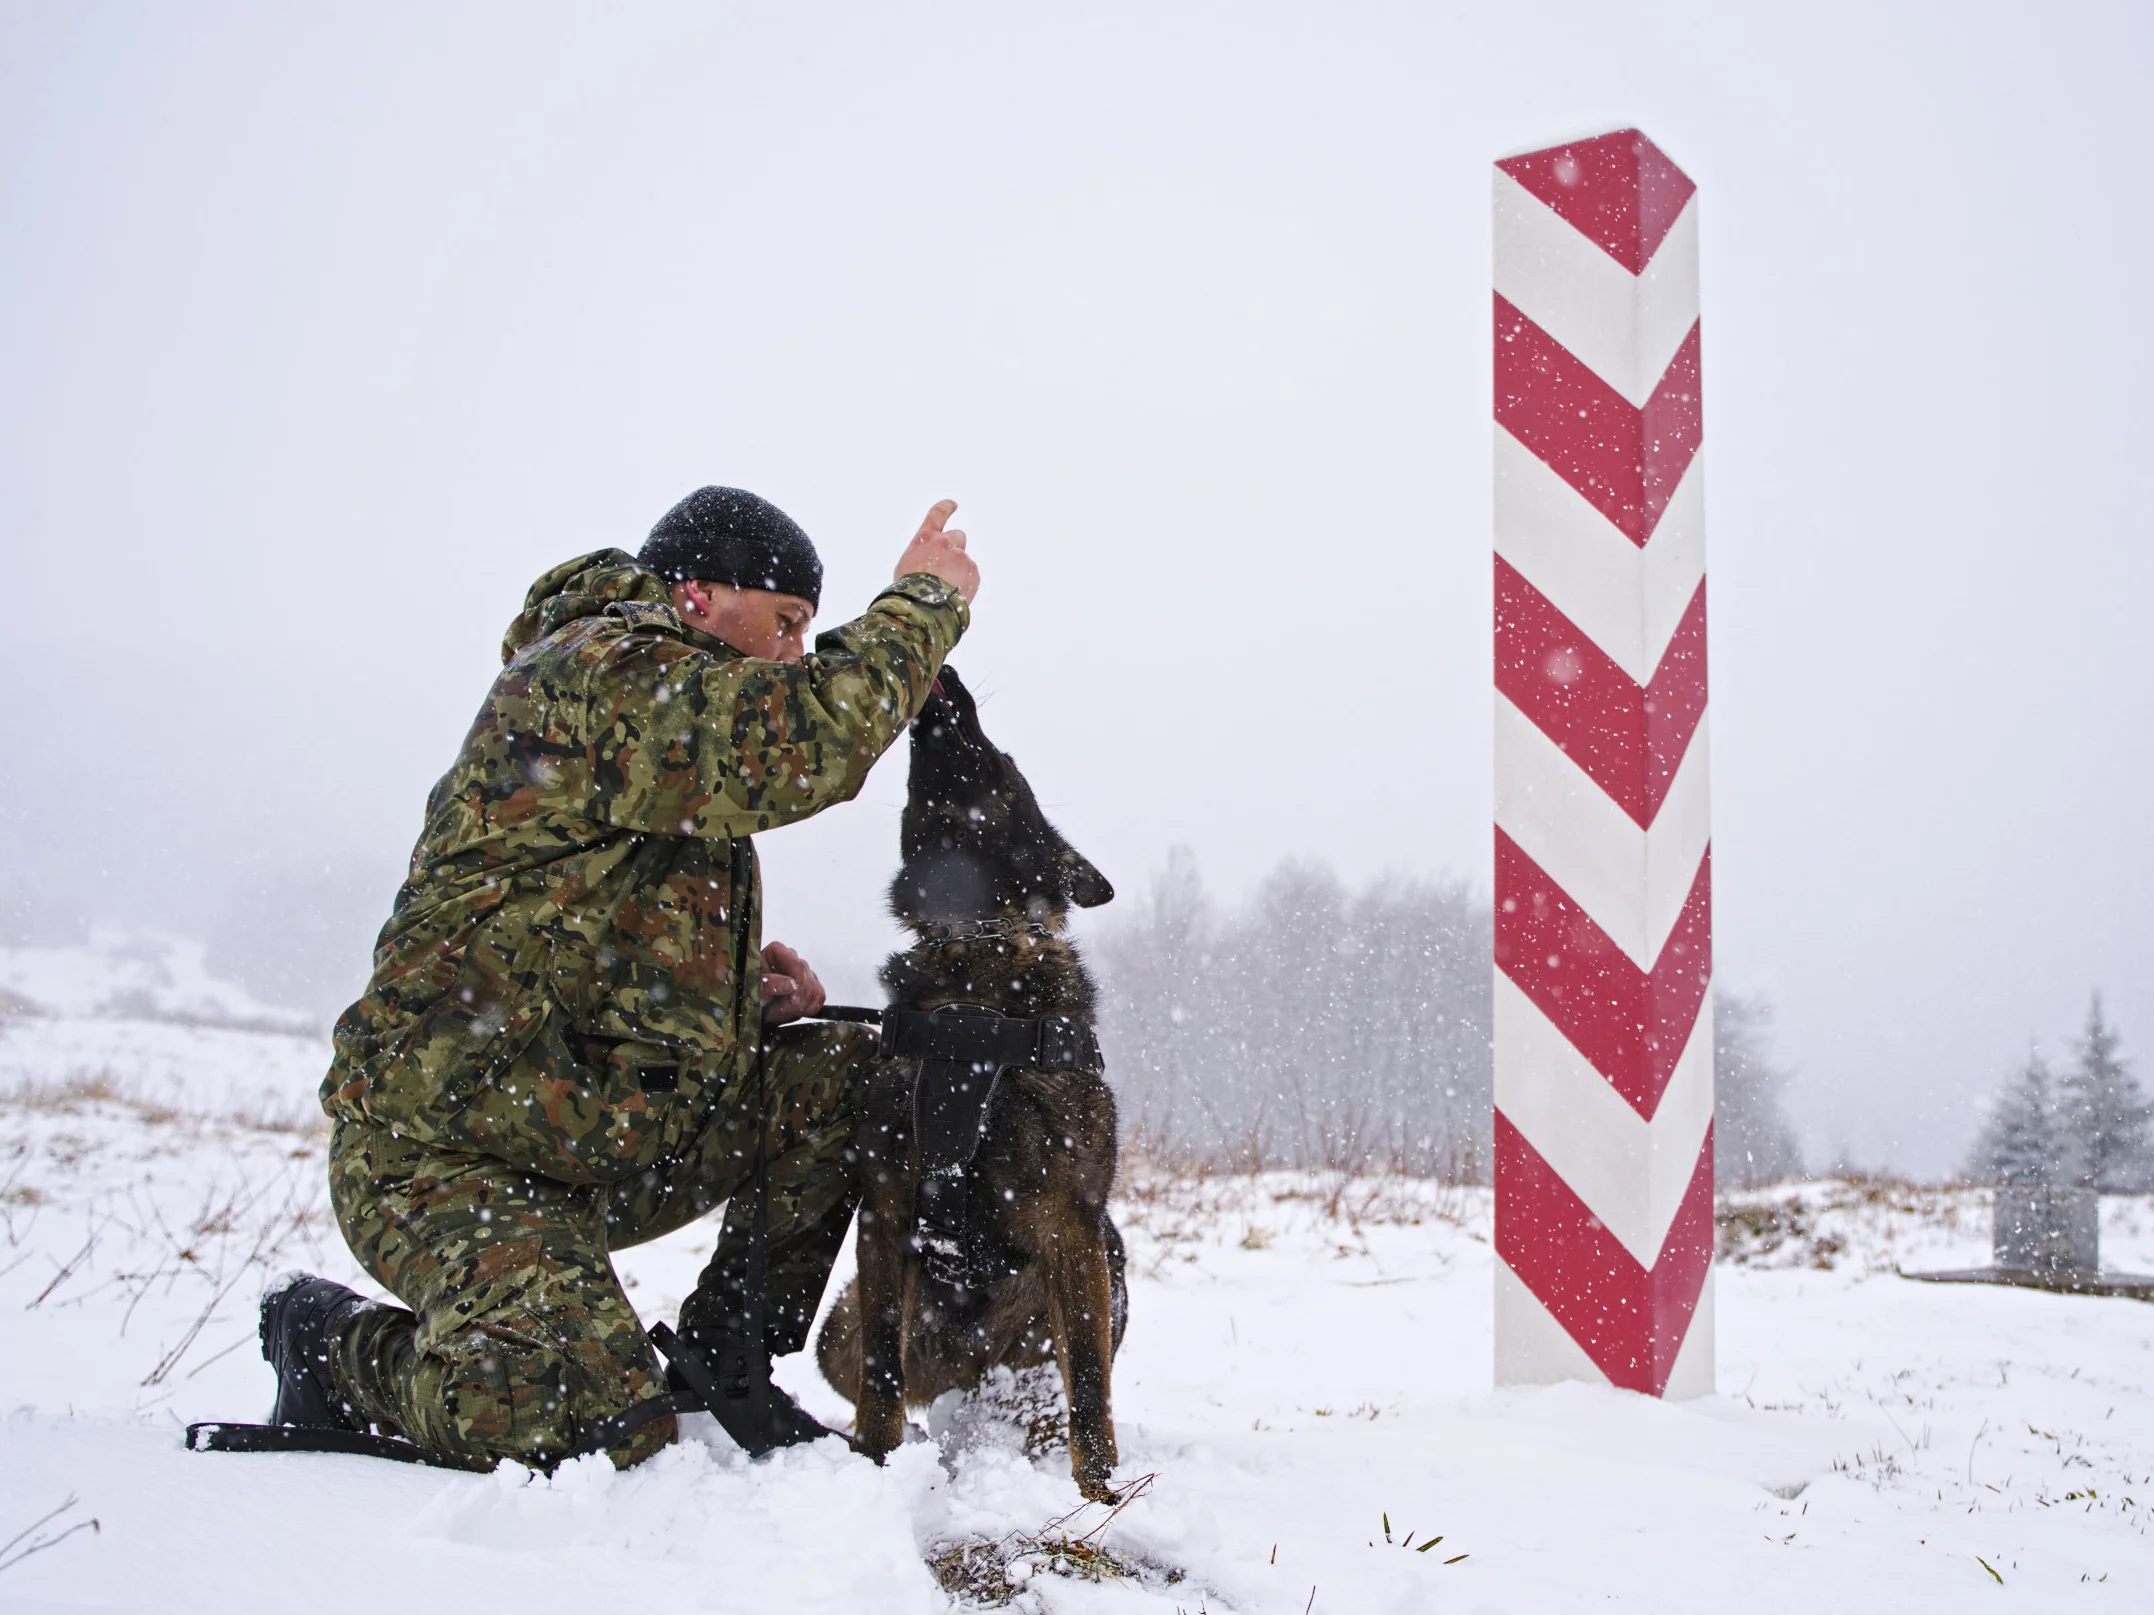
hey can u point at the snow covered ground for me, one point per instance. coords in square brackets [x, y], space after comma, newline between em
[137, 976]
[1307, 1361]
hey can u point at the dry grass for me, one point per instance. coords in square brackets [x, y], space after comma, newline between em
[70, 1093]
[1838, 1222]
[1180, 1204]
[1177, 1202]
[1775, 1233]
[990, 1574]
[1351, 1143]
[81, 1092]
[89, 1203]
[1180, 1199]
[44, 1532]
[77, 1095]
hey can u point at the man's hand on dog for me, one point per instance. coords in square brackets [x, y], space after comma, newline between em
[791, 988]
[943, 554]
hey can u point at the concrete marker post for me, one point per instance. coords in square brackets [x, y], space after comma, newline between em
[1603, 869]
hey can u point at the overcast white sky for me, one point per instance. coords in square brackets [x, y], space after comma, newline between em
[324, 329]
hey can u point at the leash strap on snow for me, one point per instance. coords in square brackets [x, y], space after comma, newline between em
[217, 1437]
[738, 1392]
[611, 1431]
[736, 1407]
[734, 1386]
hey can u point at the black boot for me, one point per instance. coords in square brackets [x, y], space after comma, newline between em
[729, 1377]
[300, 1317]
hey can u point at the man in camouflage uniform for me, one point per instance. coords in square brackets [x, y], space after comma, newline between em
[556, 1055]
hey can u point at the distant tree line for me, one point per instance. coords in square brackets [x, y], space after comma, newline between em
[1753, 1140]
[1310, 1026]
[1318, 1026]
[2087, 1127]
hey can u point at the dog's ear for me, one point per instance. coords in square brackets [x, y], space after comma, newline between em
[1088, 888]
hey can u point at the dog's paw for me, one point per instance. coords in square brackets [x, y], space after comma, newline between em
[876, 1434]
[1093, 1457]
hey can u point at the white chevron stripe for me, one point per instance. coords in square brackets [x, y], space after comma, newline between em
[1531, 1347]
[1627, 600]
[1625, 328]
[1692, 1374]
[1631, 1173]
[1632, 882]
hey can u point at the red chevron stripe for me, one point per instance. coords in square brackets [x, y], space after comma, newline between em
[1630, 1320]
[1619, 191]
[1625, 462]
[1631, 1024]
[1629, 738]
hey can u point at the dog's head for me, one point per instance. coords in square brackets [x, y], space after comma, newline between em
[975, 842]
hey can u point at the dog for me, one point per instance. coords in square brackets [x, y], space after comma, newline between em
[1017, 1264]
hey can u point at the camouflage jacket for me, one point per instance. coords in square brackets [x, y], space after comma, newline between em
[569, 975]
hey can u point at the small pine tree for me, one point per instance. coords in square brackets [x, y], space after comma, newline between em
[2021, 1142]
[2104, 1114]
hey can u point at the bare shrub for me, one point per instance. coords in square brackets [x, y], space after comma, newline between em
[1324, 1029]
[1312, 1028]
[990, 1573]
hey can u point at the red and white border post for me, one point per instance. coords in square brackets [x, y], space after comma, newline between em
[1604, 1026]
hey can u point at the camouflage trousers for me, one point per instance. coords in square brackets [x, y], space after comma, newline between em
[519, 1335]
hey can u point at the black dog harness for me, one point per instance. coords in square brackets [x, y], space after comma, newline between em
[963, 1049]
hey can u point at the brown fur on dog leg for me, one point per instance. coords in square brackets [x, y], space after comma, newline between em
[1078, 1305]
[881, 1296]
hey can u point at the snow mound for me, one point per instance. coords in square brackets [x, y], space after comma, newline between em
[1867, 1226]
[139, 1019]
[134, 975]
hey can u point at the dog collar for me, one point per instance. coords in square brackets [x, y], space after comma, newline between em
[936, 933]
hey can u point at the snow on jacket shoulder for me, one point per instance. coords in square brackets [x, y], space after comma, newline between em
[583, 901]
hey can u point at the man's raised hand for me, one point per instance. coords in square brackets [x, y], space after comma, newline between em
[942, 553]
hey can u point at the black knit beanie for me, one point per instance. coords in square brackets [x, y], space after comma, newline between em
[729, 535]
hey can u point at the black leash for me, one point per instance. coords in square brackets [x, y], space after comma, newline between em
[223, 1437]
[739, 1392]
[737, 1389]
